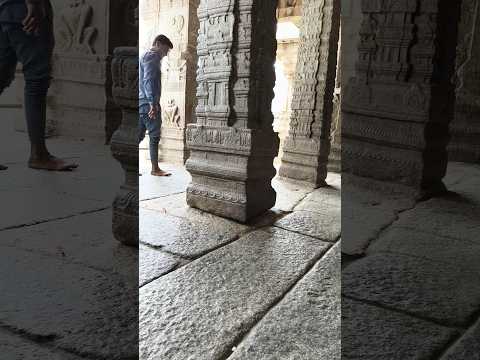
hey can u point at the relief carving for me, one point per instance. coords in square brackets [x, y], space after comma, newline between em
[75, 32]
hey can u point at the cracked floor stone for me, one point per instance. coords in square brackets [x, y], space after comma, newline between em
[291, 329]
[373, 333]
[199, 310]
[188, 237]
[423, 267]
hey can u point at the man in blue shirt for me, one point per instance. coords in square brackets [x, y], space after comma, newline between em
[26, 36]
[149, 88]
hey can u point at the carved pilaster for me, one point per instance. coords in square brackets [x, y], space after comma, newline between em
[307, 146]
[125, 144]
[233, 144]
[396, 110]
[465, 128]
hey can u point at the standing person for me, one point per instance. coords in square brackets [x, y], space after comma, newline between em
[26, 36]
[149, 88]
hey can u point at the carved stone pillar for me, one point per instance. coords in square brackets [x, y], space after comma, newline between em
[307, 146]
[233, 144]
[125, 144]
[178, 20]
[86, 32]
[335, 156]
[465, 128]
[396, 110]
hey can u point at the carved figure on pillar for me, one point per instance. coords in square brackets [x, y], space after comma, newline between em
[233, 145]
[396, 110]
[75, 33]
[307, 146]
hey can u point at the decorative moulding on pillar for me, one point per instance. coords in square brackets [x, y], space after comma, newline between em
[124, 144]
[232, 145]
[396, 110]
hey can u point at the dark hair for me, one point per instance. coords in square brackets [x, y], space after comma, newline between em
[162, 39]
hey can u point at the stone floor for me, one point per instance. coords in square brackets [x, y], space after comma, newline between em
[211, 288]
[67, 287]
[411, 272]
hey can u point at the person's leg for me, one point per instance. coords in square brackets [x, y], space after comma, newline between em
[8, 64]
[154, 127]
[35, 53]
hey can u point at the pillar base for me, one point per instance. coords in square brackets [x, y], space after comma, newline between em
[232, 170]
[305, 160]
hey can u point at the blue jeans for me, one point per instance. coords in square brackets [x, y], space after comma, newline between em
[34, 52]
[153, 126]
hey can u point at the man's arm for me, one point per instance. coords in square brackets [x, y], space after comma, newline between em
[151, 79]
[35, 15]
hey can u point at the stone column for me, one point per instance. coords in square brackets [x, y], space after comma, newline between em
[335, 156]
[396, 110]
[233, 144]
[125, 144]
[178, 20]
[465, 128]
[307, 146]
[80, 103]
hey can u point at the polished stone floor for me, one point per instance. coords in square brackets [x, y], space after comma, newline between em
[212, 288]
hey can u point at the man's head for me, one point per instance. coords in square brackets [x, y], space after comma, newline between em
[162, 44]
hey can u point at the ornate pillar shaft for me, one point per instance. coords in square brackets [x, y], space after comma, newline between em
[335, 156]
[307, 146]
[465, 128]
[125, 144]
[396, 110]
[232, 145]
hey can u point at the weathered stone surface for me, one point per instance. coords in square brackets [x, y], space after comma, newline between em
[452, 216]
[79, 309]
[372, 333]
[320, 200]
[152, 187]
[154, 263]
[84, 240]
[288, 194]
[366, 213]
[14, 347]
[307, 147]
[232, 144]
[414, 285]
[396, 110]
[306, 323]
[43, 206]
[468, 347]
[199, 310]
[323, 224]
[416, 242]
[189, 237]
[166, 204]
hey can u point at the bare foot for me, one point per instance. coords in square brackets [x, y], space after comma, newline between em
[159, 172]
[51, 163]
[3, 167]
